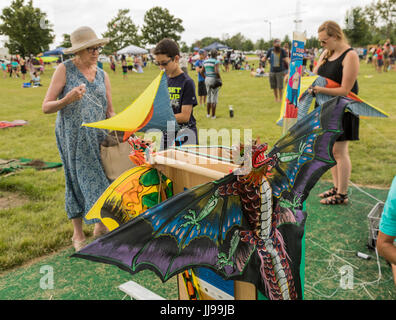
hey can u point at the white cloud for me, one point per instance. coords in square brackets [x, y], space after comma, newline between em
[202, 17]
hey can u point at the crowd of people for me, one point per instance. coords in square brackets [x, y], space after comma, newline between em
[129, 63]
[229, 60]
[19, 67]
[381, 57]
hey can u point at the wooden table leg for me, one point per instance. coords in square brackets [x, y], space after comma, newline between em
[244, 291]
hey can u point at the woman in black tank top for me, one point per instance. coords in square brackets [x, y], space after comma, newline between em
[340, 63]
[333, 70]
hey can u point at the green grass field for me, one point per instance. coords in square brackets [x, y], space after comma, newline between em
[35, 224]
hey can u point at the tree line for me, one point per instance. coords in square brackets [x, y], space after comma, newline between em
[371, 24]
[30, 32]
[368, 25]
[240, 42]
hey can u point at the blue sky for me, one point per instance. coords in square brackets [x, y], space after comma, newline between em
[201, 18]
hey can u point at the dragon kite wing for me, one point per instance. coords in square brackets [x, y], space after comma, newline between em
[295, 164]
[356, 104]
[197, 228]
[304, 154]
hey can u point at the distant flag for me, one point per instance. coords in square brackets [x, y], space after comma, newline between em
[304, 85]
[289, 105]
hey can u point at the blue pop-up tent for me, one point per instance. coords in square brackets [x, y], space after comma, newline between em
[217, 46]
[56, 52]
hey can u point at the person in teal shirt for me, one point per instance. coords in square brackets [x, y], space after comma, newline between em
[211, 73]
[387, 230]
[14, 68]
[4, 68]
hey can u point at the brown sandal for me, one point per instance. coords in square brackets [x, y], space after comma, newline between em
[329, 193]
[78, 245]
[336, 199]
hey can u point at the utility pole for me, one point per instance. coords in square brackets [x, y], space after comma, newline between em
[298, 21]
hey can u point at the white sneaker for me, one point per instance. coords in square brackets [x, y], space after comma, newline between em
[214, 117]
[208, 116]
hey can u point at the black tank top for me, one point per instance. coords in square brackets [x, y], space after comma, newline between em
[333, 71]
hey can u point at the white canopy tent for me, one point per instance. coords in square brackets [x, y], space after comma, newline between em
[132, 50]
[4, 53]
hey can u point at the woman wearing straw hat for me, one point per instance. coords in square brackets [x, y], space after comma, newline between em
[80, 92]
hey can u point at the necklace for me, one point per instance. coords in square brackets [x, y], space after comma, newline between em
[89, 71]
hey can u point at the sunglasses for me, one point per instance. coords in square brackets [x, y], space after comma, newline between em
[163, 64]
[92, 50]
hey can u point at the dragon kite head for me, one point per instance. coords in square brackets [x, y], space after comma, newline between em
[257, 159]
[259, 155]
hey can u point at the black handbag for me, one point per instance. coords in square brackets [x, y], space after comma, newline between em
[218, 83]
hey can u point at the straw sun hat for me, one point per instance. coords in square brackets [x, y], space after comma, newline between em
[82, 38]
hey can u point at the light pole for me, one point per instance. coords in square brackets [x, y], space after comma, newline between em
[269, 29]
[298, 21]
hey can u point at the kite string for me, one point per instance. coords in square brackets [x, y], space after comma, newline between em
[379, 133]
[363, 284]
[365, 192]
[333, 254]
[89, 97]
[312, 286]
